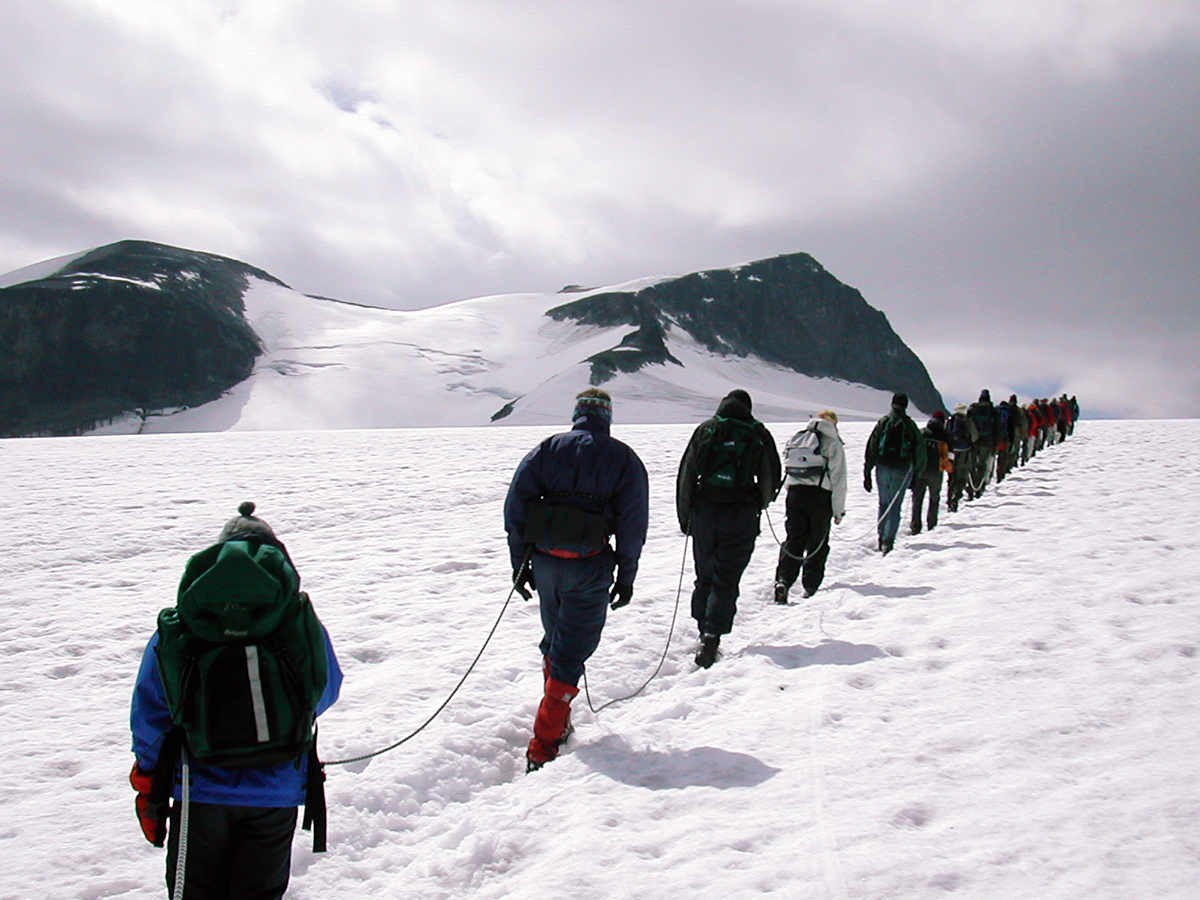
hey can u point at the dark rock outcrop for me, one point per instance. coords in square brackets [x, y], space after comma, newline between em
[786, 310]
[130, 326]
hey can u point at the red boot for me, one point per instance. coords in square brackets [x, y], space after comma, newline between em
[550, 727]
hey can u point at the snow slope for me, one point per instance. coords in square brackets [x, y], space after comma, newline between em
[1005, 707]
[333, 365]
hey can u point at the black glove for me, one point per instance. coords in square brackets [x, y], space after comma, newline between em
[523, 582]
[867, 481]
[621, 595]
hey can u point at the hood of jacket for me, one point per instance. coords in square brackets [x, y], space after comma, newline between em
[733, 408]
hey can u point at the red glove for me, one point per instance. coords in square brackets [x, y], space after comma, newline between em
[152, 816]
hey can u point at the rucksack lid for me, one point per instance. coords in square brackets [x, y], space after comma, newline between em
[236, 590]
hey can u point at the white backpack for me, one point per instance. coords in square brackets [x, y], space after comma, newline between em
[802, 455]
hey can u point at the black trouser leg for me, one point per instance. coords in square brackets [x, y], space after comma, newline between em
[233, 852]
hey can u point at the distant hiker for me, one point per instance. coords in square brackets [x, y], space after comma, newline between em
[962, 436]
[729, 474]
[568, 496]
[929, 478]
[814, 463]
[226, 698]
[895, 450]
[983, 454]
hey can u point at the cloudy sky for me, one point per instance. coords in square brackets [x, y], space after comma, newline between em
[1016, 183]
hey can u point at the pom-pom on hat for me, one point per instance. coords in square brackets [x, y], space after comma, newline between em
[246, 524]
[595, 403]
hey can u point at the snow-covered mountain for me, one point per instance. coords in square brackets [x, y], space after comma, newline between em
[140, 337]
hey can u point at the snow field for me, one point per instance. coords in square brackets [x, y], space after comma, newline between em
[1003, 707]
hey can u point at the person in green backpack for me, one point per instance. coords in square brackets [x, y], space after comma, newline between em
[730, 473]
[895, 450]
[223, 718]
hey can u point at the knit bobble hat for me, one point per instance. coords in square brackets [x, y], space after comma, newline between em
[246, 524]
[940, 415]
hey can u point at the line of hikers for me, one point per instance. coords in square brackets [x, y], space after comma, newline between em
[230, 685]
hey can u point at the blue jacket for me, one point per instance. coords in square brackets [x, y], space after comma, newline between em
[587, 468]
[276, 786]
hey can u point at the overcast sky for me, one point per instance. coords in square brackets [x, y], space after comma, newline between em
[1015, 183]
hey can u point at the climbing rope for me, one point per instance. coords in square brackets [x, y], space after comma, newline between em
[670, 633]
[882, 516]
[461, 681]
[181, 849]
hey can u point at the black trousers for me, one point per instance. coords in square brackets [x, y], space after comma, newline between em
[723, 538]
[809, 515]
[931, 482]
[233, 852]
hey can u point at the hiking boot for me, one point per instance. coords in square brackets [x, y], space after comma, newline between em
[915, 529]
[781, 592]
[885, 547]
[808, 593]
[707, 655]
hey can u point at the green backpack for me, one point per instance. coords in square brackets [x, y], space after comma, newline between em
[729, 456]
[242, 657]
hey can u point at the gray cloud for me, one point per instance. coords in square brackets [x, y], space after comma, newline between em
[1012, 181]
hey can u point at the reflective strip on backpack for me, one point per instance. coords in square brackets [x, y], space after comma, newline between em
[256, 695]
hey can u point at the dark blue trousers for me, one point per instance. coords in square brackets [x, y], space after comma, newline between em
[574, 595]
[723, 537]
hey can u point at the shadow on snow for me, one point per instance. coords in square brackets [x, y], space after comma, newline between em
[673, 769]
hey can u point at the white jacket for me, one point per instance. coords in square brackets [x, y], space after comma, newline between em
[833, 479]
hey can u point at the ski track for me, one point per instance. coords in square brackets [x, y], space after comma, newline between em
[1003, 707]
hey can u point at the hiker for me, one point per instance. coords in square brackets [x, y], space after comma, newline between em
[962, 437]
[895, 450]
[983, 455]
[568, 496]
[814, 462]
[729, 473]
[228, 714]
[929, 478]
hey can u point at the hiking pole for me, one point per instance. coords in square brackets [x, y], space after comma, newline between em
[670, 633]
[461, 681]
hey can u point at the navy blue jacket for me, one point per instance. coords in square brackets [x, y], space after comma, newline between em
[587, 468]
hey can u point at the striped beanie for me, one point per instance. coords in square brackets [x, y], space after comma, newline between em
[595, 403]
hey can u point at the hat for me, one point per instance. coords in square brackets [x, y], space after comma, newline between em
[985, 396]
[829, 415]
[741, 396]
[246, 524]
[940, 415]
[593, 402]
[900, 400]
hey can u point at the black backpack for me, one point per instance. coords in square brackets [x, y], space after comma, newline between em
[960, 434]
[894, 446]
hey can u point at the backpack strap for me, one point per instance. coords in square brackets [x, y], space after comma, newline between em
[315, 817]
